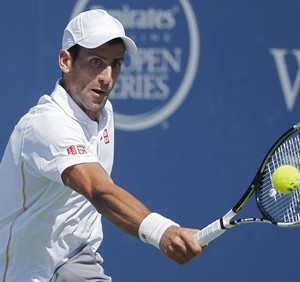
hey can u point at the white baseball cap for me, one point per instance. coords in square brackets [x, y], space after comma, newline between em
[93, 28]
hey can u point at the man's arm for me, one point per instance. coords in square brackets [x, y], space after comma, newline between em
[125, 211]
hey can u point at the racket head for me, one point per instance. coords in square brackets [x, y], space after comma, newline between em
[281, 209]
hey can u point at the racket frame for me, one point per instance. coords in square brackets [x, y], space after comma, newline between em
[219, 226]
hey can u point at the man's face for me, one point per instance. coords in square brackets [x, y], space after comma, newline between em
[92, 76]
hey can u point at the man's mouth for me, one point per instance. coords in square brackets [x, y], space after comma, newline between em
[99, 92]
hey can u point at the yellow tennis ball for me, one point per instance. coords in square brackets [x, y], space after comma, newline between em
[286, 178]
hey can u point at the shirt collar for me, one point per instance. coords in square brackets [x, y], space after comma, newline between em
[64, 100]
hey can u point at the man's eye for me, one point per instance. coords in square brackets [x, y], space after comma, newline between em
[117, 65]
[96, 61]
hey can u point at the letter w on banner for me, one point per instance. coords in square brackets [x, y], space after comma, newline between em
[290, 90]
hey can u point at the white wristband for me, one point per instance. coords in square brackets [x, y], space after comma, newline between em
[152, 228]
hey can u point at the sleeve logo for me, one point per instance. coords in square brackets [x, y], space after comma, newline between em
[76, 149]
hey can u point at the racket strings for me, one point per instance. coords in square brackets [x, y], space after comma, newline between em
[277, 206]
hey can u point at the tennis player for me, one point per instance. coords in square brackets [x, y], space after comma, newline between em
[55, 172]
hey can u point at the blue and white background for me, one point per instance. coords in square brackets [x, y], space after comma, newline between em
[213, 85]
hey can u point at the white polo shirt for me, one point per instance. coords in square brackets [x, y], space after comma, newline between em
[43, 222]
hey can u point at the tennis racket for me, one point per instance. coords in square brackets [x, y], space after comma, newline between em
[280, 209]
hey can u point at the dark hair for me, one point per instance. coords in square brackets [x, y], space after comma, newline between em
[74, 50]
[117, 40]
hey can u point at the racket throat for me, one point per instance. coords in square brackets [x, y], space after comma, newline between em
[225, 221]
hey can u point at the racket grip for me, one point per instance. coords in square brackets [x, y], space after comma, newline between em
[209, 233]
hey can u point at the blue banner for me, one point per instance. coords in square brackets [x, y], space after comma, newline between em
[214, 83]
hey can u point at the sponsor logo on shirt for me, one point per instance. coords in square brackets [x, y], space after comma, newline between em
[105, 136]
[76, 149]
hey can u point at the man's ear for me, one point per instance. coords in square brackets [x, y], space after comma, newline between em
[64, 60]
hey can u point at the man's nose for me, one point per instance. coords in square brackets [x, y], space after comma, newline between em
[106, 75]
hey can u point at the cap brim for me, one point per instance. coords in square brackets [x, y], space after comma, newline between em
[96, 41]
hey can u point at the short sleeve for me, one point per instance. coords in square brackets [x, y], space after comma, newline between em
[52, 143]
